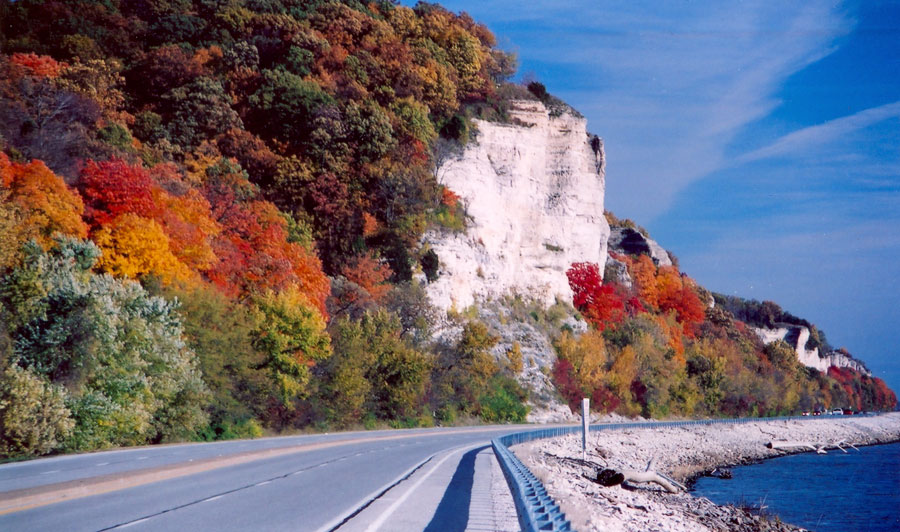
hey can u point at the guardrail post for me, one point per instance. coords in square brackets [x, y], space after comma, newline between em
[585, 419]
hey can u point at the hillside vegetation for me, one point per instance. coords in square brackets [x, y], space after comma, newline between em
[657, 347]
[210, 223]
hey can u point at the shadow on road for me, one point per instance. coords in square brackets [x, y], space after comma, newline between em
[453, 511]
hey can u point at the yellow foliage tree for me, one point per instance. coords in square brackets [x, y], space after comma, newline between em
[290, 332]
[134, 247]
[588, 357]
[623, 371]
[11, 231]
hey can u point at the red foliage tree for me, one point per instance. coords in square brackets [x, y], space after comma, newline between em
[41, 66]
[585, 281]
[564, 379]
[600, 303]
[885, 398]
[604, 400]
[114, 187]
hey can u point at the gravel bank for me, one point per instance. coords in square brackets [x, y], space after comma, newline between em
[684, 454]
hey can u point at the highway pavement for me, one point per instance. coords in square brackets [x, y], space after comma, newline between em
[419, 479]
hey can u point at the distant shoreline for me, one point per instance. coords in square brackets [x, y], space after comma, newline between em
[685, 453]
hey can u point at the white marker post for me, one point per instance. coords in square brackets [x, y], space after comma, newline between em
[585, 418]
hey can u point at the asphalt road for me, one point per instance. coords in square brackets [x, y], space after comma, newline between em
[315, 483]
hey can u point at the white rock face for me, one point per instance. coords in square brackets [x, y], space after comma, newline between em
[771, 335]
[810, 357]
[534, 194]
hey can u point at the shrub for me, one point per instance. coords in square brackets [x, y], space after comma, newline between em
[504, 402]
[33, 416]
[430, 265]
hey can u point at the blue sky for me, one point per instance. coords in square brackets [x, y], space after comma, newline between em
[758, 140]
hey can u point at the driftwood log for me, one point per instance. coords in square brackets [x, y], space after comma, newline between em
[666, 482]
[820, 448]
[611, 477]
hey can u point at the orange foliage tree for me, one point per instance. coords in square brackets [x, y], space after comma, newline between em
[676, 293]
[643, 272]
[370, 274]
[186, 217]
[47, 204]
[253, 247]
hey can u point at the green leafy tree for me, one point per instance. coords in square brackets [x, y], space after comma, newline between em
[290, 332]
[220, 332]
[199, 110]
[116, 351]
[504, 402]
[463, 372]
[285, 105]
[374, 371]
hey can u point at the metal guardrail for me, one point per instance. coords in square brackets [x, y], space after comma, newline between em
[535, 507]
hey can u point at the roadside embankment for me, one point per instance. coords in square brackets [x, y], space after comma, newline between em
[682, 453]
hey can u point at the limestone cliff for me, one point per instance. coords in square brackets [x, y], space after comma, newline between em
[533, 193]
[796, 336]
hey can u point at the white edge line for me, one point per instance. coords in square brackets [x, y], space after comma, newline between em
[126, 525]
[375, 525]
[353, 508]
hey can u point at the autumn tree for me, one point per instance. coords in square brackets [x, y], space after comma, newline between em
[115, 187]
[643, 273]
[599, 302]
[676, 294]
[370, 274]
[581, 369]
[134, 247]
[41, 118]
[45, 204]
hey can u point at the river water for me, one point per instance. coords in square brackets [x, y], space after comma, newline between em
[857, 491]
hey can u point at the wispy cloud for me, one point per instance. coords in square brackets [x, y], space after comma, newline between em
[668, 85]
[814, 136]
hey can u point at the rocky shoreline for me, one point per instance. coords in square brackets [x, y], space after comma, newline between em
[684, 454]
